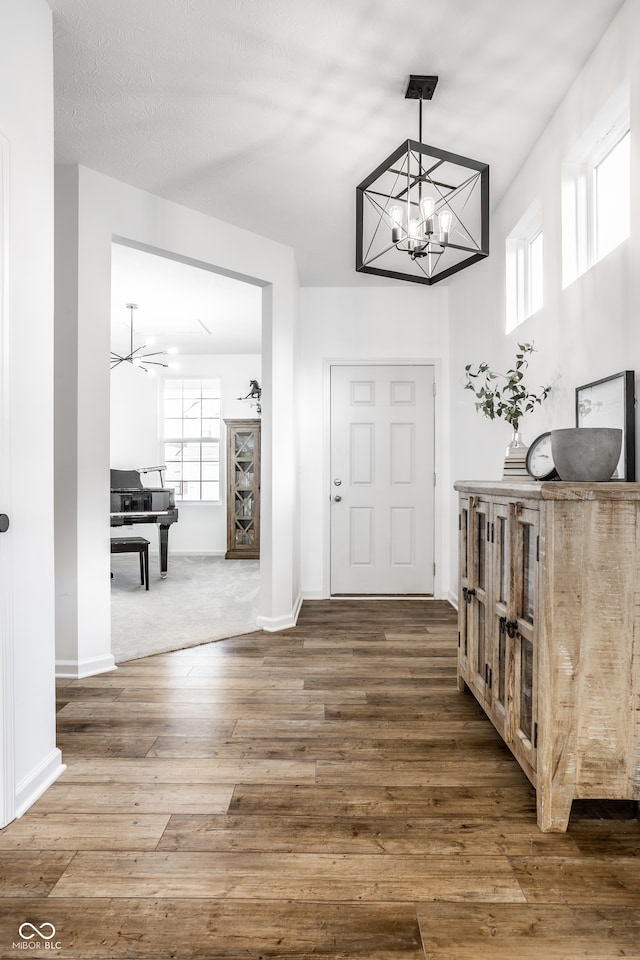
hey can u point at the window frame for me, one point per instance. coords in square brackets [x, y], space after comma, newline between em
[580, 238]
[186, 440]
[520, 303]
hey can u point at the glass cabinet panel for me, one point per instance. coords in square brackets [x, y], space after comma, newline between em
[529, 547]
[481, 645]
[501, 665]
[526, 688]
[464, 532]
[481, 549]
[502, 546]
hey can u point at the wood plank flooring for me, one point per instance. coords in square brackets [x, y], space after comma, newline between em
[319, 793]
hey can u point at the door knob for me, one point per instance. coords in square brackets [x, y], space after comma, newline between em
[337, 482]
[4, 523]
[338, 498]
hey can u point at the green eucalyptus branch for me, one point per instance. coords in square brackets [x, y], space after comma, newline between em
[504, 395]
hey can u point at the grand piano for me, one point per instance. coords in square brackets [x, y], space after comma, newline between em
[131, 502]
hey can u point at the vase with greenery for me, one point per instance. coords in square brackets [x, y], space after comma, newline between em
[505, 395]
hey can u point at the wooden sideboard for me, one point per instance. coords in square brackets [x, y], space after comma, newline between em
[549, 632]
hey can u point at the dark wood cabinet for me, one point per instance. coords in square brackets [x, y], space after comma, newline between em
[243, 489]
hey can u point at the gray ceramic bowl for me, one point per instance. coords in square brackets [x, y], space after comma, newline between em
[586, 453]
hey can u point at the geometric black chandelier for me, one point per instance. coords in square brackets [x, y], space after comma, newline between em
[134, 357]
[423, 214]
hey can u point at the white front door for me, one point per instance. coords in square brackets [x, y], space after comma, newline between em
[382, 479]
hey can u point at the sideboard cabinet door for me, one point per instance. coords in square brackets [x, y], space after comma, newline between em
[479, 564]
[523, 708]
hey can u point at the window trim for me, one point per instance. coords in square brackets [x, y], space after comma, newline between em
[518, 267]
[579, 186]
[164, 439]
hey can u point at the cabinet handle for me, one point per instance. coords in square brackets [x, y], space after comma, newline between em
[511, 626]
[468, 593]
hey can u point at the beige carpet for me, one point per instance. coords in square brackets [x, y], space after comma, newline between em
[202, 599]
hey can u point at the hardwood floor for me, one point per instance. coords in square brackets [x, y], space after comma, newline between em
[320, 793]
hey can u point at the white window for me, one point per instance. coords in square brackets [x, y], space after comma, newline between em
[524, 268]
[611, 197]
[596, 190]
[191, 438]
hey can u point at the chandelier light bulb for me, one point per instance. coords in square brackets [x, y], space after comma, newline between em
[414, 235]
[446, 219]
[396, 224]
[427, 207]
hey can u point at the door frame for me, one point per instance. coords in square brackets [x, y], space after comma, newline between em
[438, 502]
[7, 716]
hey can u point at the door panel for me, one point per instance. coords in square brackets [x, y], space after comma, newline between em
[382, 470]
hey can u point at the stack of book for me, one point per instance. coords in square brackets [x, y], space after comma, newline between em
[515, 466]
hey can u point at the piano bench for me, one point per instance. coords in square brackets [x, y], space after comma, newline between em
[134, 545]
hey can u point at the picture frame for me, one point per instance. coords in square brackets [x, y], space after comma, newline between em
[610, 402]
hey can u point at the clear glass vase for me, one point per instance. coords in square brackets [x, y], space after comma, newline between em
[516, 446]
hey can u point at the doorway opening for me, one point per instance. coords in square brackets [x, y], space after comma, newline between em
[173, 417]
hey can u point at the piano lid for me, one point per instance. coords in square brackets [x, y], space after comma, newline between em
[125, 480]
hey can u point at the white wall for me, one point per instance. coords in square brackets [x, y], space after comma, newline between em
[106, 209]
[29, 760]
[401, 322]
[135, 418]
[583, 333]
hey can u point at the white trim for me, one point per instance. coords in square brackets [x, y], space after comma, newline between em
[34, 785]
[518, 267]
[453, 600]
[578, 192]
[274, 624]
[7, 679]
[438, 501]
[78, 669]
[186, 553]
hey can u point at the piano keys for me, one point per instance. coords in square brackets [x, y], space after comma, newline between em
[132, 503]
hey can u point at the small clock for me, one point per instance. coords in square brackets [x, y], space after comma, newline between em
[539, 462]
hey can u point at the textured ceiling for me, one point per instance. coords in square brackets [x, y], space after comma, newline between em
[194, 310]
[268, 113]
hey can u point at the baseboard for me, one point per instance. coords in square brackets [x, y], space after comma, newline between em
[78, 669]
[189, 553]
[314, 595]
[273, 624]
[453, 600]
[34, 785]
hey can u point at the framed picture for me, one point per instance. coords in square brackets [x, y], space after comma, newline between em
[610, 402]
